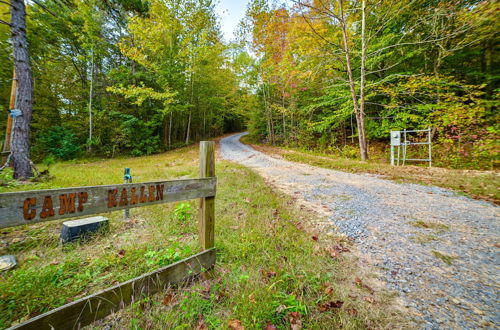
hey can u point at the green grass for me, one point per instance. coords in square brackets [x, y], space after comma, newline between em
[422, 238]
[430, 225]
[476, 184]
[267, 263]
[447, 259]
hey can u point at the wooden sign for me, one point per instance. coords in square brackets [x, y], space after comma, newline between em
[18, 208]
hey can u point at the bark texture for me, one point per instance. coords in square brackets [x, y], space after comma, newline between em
[24, 97]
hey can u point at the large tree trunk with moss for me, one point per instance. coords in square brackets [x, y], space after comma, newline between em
[24, 98]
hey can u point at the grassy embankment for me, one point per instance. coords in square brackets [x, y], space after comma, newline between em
[270, 270]
[476, 184]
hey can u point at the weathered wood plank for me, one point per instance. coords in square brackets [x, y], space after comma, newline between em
[26, 207]
[206, 215]
[94, 307]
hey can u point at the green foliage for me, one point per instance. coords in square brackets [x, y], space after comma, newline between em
[161, 75]
[427, 64]
[7, 178]
[139, 135]
[286, 303]
[49, 160]
[183, 212]
[465, 123]
[58, 141]
[165, 256]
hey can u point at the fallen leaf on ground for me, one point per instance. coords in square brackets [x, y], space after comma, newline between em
[329, 290]
[270, 326]
[369, 299]
[206, 288]
[299, 225]
[330, 305]
[341, 248]
[201, 324]
[334, 254]
[295, 322]
[336, 250]
[221, 294]
[235, 325]
[352, 311]
[268, 274]
[360, 283]
[130, 223]
[168, 299]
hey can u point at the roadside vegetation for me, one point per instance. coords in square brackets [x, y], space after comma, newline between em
[473, 183]
[340, 75]
[272, 267]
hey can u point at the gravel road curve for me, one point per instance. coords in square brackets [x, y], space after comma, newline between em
[438, 250]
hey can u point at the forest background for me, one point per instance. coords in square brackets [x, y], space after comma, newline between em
[139, 77]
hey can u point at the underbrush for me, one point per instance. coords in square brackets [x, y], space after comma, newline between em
[271, 269]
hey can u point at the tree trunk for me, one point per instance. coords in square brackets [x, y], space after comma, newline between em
[165, 132]
[170, 130]
[24, 98]
[283, 109]
[190, 105]
[12, 105]
[268, 115]
[91, 91]
[361, 125]
[488, 53]
[204, 123]
[357, 110]
[188, 127]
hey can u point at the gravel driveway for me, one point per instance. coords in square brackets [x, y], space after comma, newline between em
[437, 249]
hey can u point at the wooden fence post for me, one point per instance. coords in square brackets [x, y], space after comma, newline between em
[206, 213]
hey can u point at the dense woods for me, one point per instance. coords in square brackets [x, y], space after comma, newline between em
[339, 75]
[125, 76]
[138, 77]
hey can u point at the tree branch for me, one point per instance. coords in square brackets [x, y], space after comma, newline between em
[318, 34]
[44, 7]
[7, 3]
[4, 22]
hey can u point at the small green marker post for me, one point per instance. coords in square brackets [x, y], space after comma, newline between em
[127, 177]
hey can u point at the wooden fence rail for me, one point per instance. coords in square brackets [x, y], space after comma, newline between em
[27, 207]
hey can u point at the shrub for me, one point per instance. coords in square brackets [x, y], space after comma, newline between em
[60, 142]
